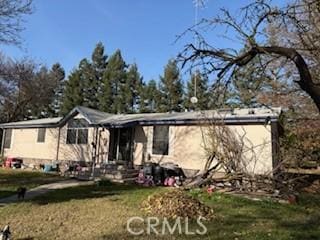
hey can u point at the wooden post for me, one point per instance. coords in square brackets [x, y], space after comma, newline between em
[58, 144]
[2, 142]
[94, 153]
[132, 143]
[118, 140]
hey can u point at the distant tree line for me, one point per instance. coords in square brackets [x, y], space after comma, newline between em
[110, 84]
[107, 83]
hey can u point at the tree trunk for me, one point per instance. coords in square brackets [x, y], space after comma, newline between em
[305, 82]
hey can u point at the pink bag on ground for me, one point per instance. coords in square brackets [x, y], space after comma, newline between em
[171, 181]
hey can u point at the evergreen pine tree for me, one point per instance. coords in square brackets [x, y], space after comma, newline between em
[201, 83]
[99, 63]
[90, 85]
[57, 75]
[171, 89]
[73, 93]
[149, 97]
[220, 96]
[111, 98]
[248, 82]
[132, 89]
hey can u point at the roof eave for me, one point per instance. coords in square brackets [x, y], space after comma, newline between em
[29, 126]
[228, 121]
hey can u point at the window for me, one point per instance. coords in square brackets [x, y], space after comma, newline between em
[82, 137]
[77, 132]
[7, 138]
[41, 135]
[71, 136]
[160, 140]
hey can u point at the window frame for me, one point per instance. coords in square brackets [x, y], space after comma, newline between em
[5, 136]
[69, 136]
[42, 136]
[86, 131]
[158, 141]
[78, 127]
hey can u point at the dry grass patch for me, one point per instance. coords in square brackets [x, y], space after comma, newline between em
[101, 212]
[86, 212]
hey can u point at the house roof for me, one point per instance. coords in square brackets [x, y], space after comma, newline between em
[232, 116]
[46, 122]
[91, 115]
[95, 117]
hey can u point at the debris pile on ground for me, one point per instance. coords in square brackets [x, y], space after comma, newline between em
[314, 187]
[176, 203]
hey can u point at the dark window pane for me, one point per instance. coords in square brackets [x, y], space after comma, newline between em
[78, 123]
[160, 140]
[41, 135]
[71, 136]
[82, 136]
[7, 138]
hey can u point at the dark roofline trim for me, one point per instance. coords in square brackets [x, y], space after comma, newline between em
[39, 126]
[77, 110]
[228, 121]
[29, 126]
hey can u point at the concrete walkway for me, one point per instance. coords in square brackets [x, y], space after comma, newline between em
[42, 189]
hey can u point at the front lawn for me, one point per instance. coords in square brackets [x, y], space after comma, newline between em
[101, 212]
[241, 218]
[11, 179]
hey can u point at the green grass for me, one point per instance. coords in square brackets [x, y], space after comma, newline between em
[247, 219]
[11, 179]
[101, 212]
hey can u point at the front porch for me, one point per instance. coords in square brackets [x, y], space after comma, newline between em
[112, 156]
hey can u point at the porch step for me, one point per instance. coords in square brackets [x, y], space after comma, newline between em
[123, 171]
[119, 175]
[118, 165]
[122, 175]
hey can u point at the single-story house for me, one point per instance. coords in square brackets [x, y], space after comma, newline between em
[93, 136]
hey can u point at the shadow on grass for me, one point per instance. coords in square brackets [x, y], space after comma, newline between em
[7, 193]
[112, 190]
[12, 179]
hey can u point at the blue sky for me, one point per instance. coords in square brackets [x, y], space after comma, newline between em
[66, 31]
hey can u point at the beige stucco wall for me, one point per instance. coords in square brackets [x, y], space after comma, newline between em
[186, 146]
[24, 145]
[75, 152]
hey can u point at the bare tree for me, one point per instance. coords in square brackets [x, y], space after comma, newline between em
[16, 78]
[249, 28]
[11, 18]
[27, 89]
[228, 147]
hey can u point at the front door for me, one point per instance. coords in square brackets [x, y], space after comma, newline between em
[120, 147]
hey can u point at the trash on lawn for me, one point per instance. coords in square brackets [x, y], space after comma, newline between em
[161, 175]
